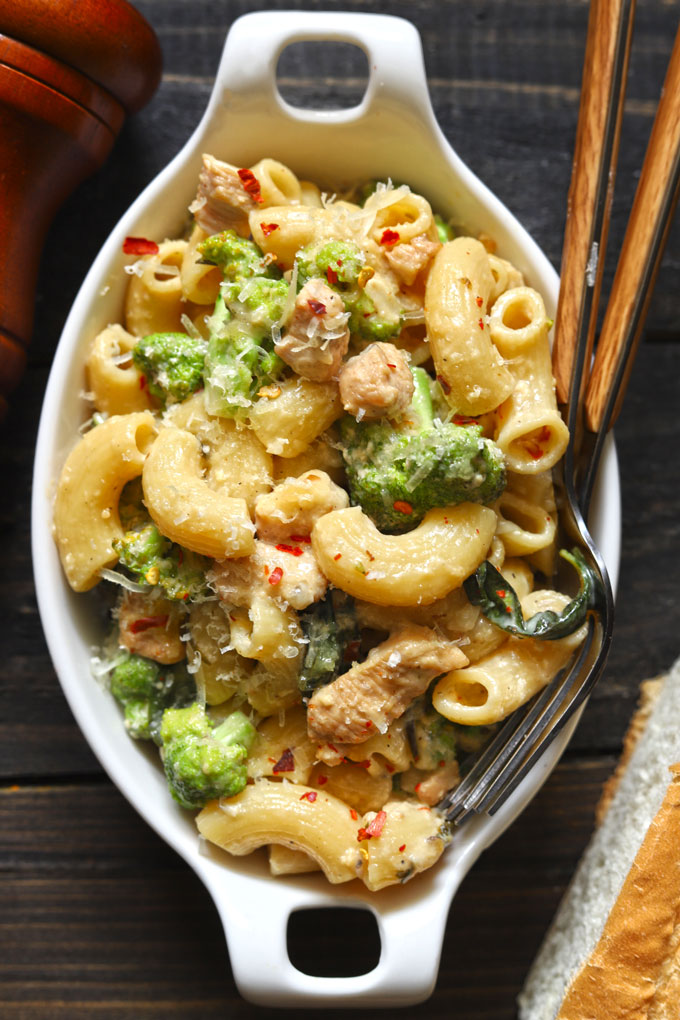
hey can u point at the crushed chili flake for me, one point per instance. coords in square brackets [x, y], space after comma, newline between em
[294, 550]
[251, 185]
[305, 539]
[309, 795]
[318, 307]
[268, 228]
[390, 365]
[389, 237]
[464, 419]
[353, 814]
[390, 768]
[402, 848]
[333, 748]
[286, 762]
[331, 276]
[374, 827]
[147, 622]
[370, 555]
[322, 780]
[402, 507]
[480, 301]
[443, 383]
[481, 323]
[139, 246]
[276, 575]
[337, 556]
[142, 382]
[501, 592]
[534, 448]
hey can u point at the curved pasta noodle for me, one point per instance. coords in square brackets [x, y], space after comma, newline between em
[116, 387]
[527, 522]
[530, 430]
[517, 321]
[283, 749]
[267, 812]
[287, 424]
[86, 517]
[278, 183]
[409, 216]
[492, 688]
[403, 570]
[295, 227]
[505, 275]
[469, 367]
[183, 505]
[154, 302]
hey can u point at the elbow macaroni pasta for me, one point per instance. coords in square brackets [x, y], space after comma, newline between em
[237, 523]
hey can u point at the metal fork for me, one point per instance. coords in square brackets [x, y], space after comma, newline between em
[591, 399]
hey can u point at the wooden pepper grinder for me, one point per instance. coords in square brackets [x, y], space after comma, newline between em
[70, 71]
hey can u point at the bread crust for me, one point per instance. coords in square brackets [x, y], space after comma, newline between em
[630, 973]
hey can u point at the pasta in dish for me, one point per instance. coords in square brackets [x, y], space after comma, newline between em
[317, 482]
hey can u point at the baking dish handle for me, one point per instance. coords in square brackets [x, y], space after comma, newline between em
[246, 78]
[411, 929]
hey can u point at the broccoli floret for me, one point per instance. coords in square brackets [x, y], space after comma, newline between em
[238, 258]
[202, 762]
[240, 360]
[153, 559]
[172, 364]
[340, 263]
[397, 474]
[259, 301]
[330, 627]
[145, 690]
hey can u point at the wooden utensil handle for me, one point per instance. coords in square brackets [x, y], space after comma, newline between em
[648, 225]
[597, 138]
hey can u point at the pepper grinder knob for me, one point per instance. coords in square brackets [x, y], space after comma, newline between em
[70, 72]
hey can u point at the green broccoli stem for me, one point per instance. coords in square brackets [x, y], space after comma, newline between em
[421, 402]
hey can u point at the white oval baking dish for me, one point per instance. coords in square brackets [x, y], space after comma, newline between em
[392, 132]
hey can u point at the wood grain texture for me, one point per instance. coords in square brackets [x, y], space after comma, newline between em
[98, 918]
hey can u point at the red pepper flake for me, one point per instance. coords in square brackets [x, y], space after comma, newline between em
[390, 768]
[367, 725]
[142, 382]
[464, 419]
[389, 237]
[369, 554]
[304, 539]
[147, 622]
[481, 323]
[443, 383]
[294, 550]
[251, 185]
[309, 795]
[318, 307]
[390, 365]
[402, 848]
[268, 228]
[365, 764]
[374, 827]
[321, 780]
[402, 507]
[353, 815]
[286, 762]
[534, 448]
[338, 262]
[331, 276]
[501, 592]
[417, 787]
[480, 302]
[333, 748]
[139, 246]
[276, 575]
[337, 556]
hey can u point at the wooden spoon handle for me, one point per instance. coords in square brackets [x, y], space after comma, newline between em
[643, 244]
[592, 182]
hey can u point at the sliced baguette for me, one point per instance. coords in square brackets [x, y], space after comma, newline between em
[613, 950]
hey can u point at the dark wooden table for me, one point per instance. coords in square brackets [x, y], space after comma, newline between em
[98, 918]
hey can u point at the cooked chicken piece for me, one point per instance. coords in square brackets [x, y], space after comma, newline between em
[372, 693]
[317, 337]
[430, 787]
[287, 571]
[294, 506]
[149, 626]
[376, 383]
[222, 202]
[409, 259]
